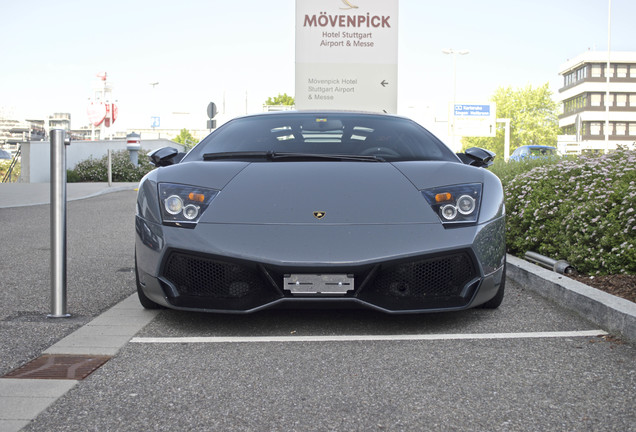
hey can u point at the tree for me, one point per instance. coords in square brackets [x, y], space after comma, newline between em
[533, 116]
[186, 139]
[281, 99]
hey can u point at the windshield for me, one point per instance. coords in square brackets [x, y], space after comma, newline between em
[541, 151]
[383, 138]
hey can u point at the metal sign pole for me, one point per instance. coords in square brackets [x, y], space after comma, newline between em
[58, 223]
[506, 121]
[110, 168]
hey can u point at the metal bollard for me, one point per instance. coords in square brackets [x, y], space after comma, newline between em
[133, 145]
[58, 223]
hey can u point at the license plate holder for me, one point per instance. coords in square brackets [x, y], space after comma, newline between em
[318, 284]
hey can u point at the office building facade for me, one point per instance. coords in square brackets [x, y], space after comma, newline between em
[585, 123]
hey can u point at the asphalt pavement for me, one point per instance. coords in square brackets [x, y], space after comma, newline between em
[532, 364]
[100, 261]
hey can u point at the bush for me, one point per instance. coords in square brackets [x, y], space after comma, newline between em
[578, 209]
[72, 177]
[506, 171]
[96, 170]
[4, 167]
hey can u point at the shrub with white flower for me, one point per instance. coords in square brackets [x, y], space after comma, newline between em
[96, 170]
[578, 209]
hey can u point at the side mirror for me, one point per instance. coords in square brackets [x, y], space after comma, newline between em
[478, 157]
[165, 156]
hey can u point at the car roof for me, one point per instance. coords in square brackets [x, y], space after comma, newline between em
[537, 146]
[323, 112]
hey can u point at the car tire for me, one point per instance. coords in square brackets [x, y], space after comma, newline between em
[495, 302]
[145, 301]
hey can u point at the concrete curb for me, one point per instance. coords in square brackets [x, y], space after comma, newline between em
[612, 313]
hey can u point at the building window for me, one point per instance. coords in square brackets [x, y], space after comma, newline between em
[595, 128]
[632, 71]
[632, 100]
[585, 128]
[575, 76]
[575, 104]
[568, 130]
[609, 101]
[632, 129]
[621, 128]
[621, 71]
[581, 74]
[596, 71]
[596, 99]
[621, 100]
[609, 72]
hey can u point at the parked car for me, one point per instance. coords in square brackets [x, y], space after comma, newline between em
[320, 209]
[532, 152]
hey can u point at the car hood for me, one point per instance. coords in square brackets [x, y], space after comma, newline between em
[297, 192]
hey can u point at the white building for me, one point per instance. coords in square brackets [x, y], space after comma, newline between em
[584, 97]
[60, 121]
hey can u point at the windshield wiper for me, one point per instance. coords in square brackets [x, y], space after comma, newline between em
[318, 156]
[274, 156]
[239, 155]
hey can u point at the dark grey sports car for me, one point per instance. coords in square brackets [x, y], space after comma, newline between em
[297, 209]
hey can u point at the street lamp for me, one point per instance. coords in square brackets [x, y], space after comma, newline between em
[454, 53]
[154, 119]
[607, 74]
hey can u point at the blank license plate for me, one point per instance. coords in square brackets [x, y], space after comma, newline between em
[325, 284]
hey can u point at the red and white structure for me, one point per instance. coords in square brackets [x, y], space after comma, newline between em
[102, 111]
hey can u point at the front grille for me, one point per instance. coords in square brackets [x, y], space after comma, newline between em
[204, 282]
[425, 283]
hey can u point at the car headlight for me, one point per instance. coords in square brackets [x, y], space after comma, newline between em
[457, 204]
[183, 205]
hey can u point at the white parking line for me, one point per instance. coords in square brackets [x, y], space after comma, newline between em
[353, 338]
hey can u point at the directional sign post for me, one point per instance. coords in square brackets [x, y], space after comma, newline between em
[211, 110]
[211, 114]
[346, 54]
[474, 120]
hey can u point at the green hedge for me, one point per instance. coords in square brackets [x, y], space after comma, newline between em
[96, 170]
[579, 209]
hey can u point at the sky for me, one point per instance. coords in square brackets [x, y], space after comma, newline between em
[237, 53]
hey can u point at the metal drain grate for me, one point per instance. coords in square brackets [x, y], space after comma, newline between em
[59, 366]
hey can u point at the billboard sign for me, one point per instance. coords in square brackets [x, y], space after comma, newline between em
[346, 54]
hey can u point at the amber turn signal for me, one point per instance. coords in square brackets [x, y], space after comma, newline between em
[196, 197]
[443, 197]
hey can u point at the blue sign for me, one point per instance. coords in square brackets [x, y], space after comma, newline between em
[472, 110]
[155, 122]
